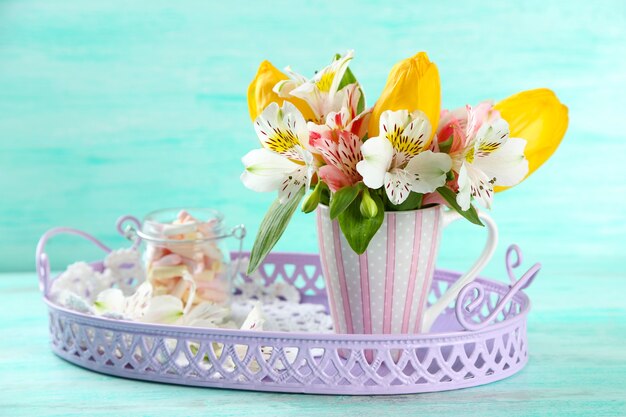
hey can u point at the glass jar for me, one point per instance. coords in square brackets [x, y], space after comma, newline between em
[186, 254]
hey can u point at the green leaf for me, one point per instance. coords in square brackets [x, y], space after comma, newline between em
[342, 199]
[450, 196]
[348, 78]
[271, 229]
[360, 106]
[358, 229]
[325, 195]
[412, 202]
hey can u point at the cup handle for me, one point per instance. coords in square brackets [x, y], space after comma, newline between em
[435, 310]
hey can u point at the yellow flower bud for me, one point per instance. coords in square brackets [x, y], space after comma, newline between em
[539, 117]
[261, 94]
[413, 84]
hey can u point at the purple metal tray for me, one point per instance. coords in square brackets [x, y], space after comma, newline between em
[479, 339]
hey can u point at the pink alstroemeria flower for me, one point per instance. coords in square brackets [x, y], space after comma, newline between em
[339, 140]
[454, 123]
[347, 118]
[341, 151]
[483, 155]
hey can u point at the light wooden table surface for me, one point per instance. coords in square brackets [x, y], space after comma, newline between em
[577, 367]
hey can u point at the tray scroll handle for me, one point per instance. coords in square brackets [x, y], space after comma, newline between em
[475, 292]
[41, 257]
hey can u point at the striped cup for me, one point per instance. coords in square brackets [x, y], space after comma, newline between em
[385, 290]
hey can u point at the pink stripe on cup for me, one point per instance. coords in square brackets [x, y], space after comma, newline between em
[342, 277]
[431, 264]
[365, 294]
[408, 304]
[331, 298]
[390, 271]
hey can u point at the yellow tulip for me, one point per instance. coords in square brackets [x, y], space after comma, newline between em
[539, 117]
[261, 94]
[413, 84]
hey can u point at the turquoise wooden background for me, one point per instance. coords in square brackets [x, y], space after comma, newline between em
[116, 107]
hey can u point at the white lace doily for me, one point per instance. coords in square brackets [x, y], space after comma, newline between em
[286, 316]
[78, 286]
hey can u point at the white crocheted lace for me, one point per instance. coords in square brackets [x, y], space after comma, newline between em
[78, 287]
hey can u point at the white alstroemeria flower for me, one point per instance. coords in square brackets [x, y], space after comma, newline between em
[489, 158]
[165, 309]
[113, 303]
[254, 320]
[206, 314]
[398, 160]
[321, 92]
[283, 164]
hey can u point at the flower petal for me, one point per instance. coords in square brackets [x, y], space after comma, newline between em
[254, 320]
[327, 79]
[507, 166]
[538, 117]
[283, 88]
[163, 309]
[338, 67]
[349, 149]
[377, 155]
[413, 84]
[428, 171]
[334, 178]
[359, 125]
[266, 170]
[352, 98]
[477, 116]
[398, 185]
[473, 183]
[110, 301]
[324, 143]
[322, 92]
[293, 182]
[452, 125]
[261, 92]
[408, 133]
[137, 304]
[464, 196]
[282, 130]
[341, 157]
[490, 136]
[206, 315]
[393, 121]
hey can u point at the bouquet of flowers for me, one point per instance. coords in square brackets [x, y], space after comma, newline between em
[404, 153]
